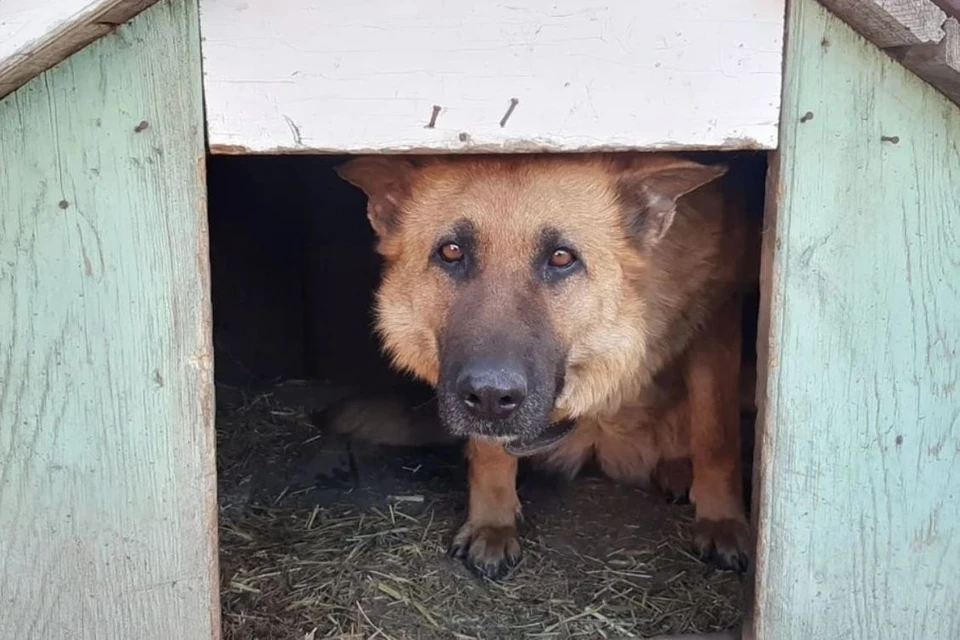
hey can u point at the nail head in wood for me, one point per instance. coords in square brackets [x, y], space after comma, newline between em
[513, 105]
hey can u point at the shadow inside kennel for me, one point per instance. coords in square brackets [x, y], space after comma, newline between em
[322, 537]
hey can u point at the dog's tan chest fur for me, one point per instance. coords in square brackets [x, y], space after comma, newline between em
[628, 443]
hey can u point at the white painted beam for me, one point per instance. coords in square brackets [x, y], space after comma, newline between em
[368, 75]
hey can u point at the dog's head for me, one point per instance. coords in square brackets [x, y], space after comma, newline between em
[511, 282]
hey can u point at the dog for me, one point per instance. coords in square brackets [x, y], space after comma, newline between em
[567, 308]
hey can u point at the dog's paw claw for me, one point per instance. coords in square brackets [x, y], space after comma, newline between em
[673, 477]
[723, 543]
[488, 551]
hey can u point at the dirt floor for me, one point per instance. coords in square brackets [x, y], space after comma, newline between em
[324, 538]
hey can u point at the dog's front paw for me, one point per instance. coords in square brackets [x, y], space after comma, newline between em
[724, 543]
[488, 551]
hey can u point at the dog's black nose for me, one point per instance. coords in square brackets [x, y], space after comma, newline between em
[492, 390]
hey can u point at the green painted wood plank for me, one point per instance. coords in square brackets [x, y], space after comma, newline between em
[107, 477]
[859, 533]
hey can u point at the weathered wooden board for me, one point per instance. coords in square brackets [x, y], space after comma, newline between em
[924, 35]
[34, 35]
[859, 530]
[938, 64]
[107, 492]
[892, 23]
[369, 75]
[951, 7]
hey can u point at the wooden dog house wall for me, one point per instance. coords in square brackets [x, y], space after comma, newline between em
[107, 493]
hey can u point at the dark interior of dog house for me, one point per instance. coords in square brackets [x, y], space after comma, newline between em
[322, 536]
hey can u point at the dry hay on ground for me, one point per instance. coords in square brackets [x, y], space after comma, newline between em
[320, 539]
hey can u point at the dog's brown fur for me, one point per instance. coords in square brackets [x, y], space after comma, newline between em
[650, 331]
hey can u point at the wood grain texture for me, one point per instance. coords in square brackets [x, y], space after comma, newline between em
[938, 64]
[892, 23]
[34, 36]
[107, 491]
[922, 34]
[951, 7]
[859, 530]
[364, 76]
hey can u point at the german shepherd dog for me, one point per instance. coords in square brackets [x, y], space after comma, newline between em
[567, 308]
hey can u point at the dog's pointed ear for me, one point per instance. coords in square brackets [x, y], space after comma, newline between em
[649, 194]
[387, 181]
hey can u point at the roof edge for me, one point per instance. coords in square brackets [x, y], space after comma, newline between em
[34, 39]
[923, 35]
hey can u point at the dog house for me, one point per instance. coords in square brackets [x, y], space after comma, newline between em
[111, 113]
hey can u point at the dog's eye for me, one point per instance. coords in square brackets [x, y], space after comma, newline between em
[450, 252]
[562, 258]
